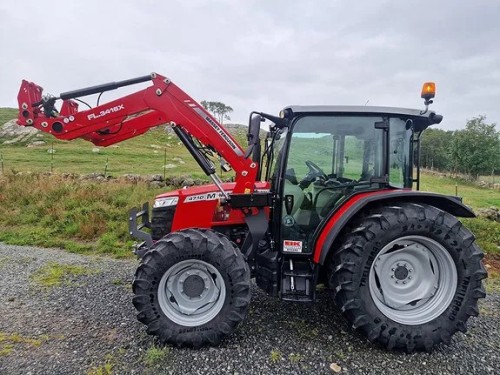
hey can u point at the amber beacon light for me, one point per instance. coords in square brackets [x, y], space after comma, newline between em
[428, 90]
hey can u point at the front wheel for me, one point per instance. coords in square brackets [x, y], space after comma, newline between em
[192, 288]
[408, 276]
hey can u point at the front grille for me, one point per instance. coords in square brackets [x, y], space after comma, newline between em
[161, 221]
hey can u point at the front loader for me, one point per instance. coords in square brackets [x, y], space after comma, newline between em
[327, 199]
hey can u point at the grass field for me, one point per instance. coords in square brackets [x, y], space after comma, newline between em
[80, 216]
[145, 155]
[486, 231]
[87, 216]
[472, 195]
[7, 114]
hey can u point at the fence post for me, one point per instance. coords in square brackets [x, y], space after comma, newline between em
[52, 158]
[165, 164]
[1, 162]
[106, 167]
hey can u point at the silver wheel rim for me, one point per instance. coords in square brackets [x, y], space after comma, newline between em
[413, 280]
[191, 293]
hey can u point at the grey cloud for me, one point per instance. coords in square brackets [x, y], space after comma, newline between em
[263, 55]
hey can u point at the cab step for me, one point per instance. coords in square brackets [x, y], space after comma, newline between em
[298, 280]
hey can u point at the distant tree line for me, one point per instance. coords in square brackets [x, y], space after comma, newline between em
[472, 151]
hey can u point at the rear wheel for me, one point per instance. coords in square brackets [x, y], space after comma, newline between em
[192, 288]
[408, 276]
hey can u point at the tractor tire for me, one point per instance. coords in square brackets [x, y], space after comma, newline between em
[408, 276]
[192, 288]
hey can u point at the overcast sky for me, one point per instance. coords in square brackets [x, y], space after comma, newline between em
[264, 55]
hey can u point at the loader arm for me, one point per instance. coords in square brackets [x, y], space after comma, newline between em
[132, 115]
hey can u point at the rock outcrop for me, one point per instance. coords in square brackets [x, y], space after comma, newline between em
[12, 133]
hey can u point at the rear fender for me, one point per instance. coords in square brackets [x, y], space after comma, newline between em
[342, 215]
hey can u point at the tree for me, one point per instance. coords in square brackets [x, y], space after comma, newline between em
[475, 149]
[219, 110]
[435, 149]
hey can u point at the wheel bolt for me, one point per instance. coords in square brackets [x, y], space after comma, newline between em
[410, 270]
[393, 269]
[409, 277]
[392, 276]
[404, 282]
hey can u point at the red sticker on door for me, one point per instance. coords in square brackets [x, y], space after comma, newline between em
[292, 246]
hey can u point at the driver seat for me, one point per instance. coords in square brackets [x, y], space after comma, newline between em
[325, 199]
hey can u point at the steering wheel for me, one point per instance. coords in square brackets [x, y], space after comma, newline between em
[314, 172]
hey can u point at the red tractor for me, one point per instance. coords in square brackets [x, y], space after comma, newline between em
[328, 199]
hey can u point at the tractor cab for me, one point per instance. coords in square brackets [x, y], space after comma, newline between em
[328, 153]
[319, 160]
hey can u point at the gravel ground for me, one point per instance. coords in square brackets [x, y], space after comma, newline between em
[89, 322]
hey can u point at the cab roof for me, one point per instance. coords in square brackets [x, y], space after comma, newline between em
[354, 109]
[422, 118]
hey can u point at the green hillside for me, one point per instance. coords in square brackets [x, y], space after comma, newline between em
[146, 154]
[7, 114]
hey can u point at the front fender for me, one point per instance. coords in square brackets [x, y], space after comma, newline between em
[337, 219]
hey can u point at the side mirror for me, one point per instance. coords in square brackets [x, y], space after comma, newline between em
[253, 137]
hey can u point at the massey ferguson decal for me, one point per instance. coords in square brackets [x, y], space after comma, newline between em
[220, 131]
[292, 246]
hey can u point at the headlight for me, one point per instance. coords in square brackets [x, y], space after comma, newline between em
[166, 202]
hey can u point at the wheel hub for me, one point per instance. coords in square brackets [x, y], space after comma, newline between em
[193, 286]
[401, 273]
